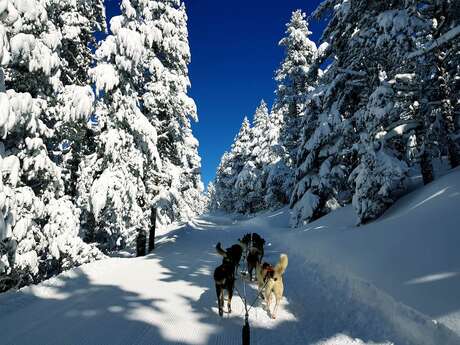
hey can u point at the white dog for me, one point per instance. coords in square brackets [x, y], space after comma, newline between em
[270, 280]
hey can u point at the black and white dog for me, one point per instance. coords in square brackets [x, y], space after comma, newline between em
[224, 275]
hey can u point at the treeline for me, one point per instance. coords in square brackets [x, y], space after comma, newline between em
[94, 135]
[355, 120]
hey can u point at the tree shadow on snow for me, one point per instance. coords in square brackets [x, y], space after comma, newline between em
[322, 304]
[72, 310]
[195, 266]
[317, 306]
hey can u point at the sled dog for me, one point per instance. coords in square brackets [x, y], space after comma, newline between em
[224, 275]
[270, 280]
[255, 250]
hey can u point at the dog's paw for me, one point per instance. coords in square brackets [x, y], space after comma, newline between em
[221, 312]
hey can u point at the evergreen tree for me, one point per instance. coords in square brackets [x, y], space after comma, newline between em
[34, 210]
[145, 142]
[223, 183]
[364, 40]
[250, 182]
[211, 198]
[113, 187]
[230, 168]
[294, 81]
[437, 73]
[376, 178]
[77, 22]
[253, 175]
[274, 177]
[166, 100]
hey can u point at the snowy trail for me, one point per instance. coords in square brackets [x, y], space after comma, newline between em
[165, 298]
[168, 297]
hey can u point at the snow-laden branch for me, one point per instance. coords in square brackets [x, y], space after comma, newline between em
[352, 72]
[449, 35]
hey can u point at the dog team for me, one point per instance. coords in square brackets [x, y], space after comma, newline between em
[269, 278]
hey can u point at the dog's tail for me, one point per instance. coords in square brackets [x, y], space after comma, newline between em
[220, 251]
[282, 264]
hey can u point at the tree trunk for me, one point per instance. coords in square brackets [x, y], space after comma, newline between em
[423, 132]
[426, 168]
[141, 242]
[153, 221]
[426, 165]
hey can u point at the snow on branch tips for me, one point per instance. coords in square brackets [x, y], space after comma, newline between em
[105, 76]
[437, 42]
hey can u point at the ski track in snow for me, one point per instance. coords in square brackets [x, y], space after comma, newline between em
[168, 297]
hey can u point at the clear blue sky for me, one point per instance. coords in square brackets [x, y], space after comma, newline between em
[235, 52]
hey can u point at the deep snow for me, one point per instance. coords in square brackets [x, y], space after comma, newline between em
[382, 283]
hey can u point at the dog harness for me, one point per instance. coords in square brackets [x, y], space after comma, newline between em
[270, 271]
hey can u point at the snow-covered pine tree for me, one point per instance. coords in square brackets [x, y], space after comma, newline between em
[411, 103]
[34, 210]
[223, 183]
[353, 104]
[381, 169]
[77, 22]
[437, 58]
[376, 178]
[230, 167]
[251, 180]
[260, 124]
[412, 86]
[318, 127]
[279, 176]
[294, 81]
[386, 123]
[72, 138]
[143, 115]
[253, 175]
[324, 156]
[267, 178]
[211, 198]
[166, 100]
[113, 181]
[424, 87]
[271, 177]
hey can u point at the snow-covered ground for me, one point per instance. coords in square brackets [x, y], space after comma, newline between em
[396, 280]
